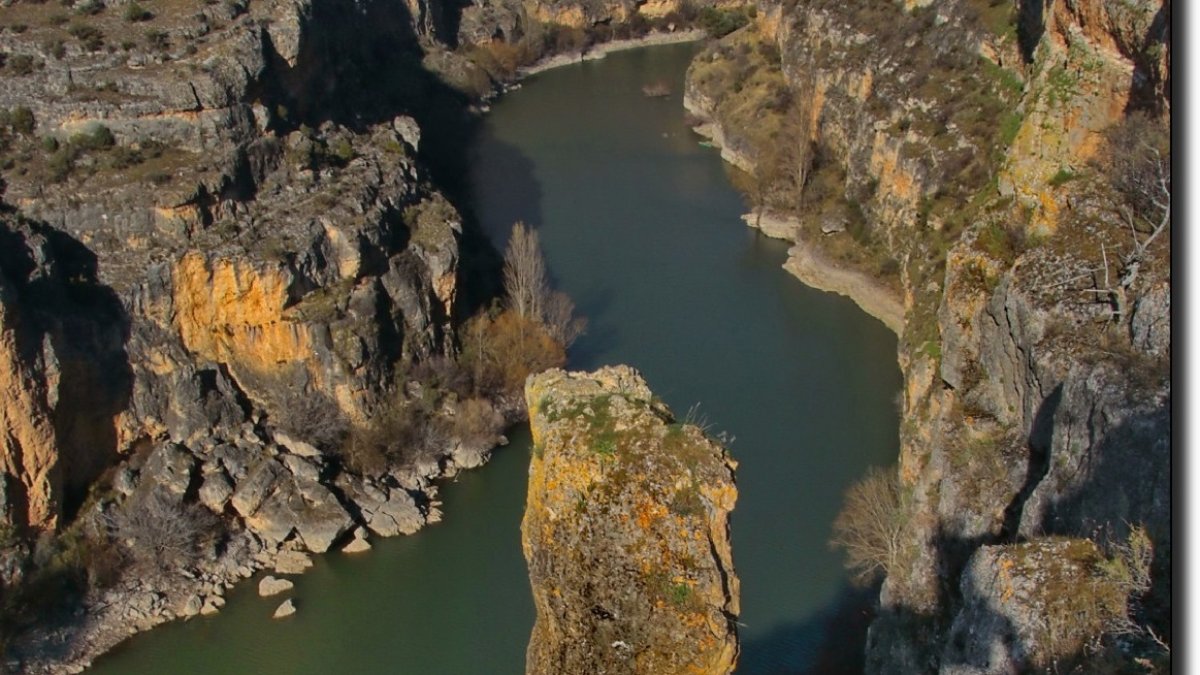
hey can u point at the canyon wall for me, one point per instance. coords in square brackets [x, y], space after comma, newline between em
[968, 155]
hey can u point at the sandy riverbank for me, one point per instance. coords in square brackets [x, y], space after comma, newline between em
[813, 269]
[599, 51]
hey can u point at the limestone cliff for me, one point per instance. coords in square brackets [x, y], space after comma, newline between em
[969, 155]
[626, 532]
[64, 373]
[228, 256]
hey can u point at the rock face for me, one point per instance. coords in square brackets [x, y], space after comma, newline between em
[64, 372]
[964, 147]
[225, 262]
[626, 532]
[219, 252]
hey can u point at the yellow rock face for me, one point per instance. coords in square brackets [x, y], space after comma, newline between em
[1081, 88]
[28, 449]
[232, 311]
[626, 532]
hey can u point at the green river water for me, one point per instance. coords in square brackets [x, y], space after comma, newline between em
[640, 225]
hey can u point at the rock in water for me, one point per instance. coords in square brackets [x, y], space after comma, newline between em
[626, 532]
[286, 609]
[273, 586]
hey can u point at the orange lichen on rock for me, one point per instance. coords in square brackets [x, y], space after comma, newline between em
[626, 532]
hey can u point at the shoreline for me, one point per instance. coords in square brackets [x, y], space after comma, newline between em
[135, 607]
[139, 605]
[808, 264]
[805, 261]
[603, 49]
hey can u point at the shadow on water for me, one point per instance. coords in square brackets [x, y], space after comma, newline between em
[449, 153]
[817, 645]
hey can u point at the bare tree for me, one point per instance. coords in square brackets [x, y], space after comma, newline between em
[1139, 169]
[159, 533]
[560, 320]
[528, 288]
[871, 526]
[785, 160]
[525, 279]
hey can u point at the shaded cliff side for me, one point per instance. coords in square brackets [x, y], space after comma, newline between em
[626, 532]
[1004, 167]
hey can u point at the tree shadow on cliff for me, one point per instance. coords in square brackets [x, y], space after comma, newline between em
[85, 326]
[1041, 436]
[831, 642]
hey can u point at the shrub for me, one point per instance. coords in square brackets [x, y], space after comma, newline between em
[400, 432]
[89, 7]
[22, 120]
[721, 22]
[160, 534]
[871, 526]
[98, 138]
[475, 422]
[135, 13]
[500, 353]
[1062, 176]
[20, 64]
[55, 47]
[310, 417]
[60, 164]
[90, 37]
[156, 39]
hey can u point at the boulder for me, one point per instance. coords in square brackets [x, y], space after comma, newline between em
[286, 609]
[358, 544]
[388, 511]
[292, 562]
[273, 586]
[216, 489]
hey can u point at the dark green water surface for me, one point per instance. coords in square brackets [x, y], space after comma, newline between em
[641, 227]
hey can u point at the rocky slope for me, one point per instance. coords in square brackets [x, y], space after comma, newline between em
[972, 155]
[626, 532]
[225, 256]
[230, 288]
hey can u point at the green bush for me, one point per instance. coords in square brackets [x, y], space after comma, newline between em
[135, 13]
[90, 37]
[98, 138]
[21, 119]
[156, 39]
[721, 22]
[60, 164]
[89, 7]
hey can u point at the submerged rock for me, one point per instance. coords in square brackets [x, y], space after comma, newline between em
[626, 532]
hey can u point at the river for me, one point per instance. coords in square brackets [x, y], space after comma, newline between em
[640, 225]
